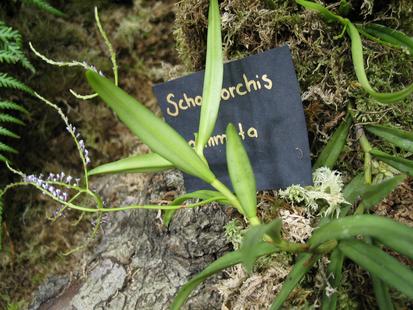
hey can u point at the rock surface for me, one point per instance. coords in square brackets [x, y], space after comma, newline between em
[139, 263]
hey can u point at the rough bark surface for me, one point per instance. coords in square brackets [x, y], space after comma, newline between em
[139, 263]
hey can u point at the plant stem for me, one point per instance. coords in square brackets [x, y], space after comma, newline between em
[366, 147]
[233, 200]
[292, 247]
[219, 186]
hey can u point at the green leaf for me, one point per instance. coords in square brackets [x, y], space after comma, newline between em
[358, 62]
[382, 265]
[225, 261]
[387, 35]
[381, 292]
[214, 72]
[371, 195]
[355, 188]
[153, 131]
[401, 164]
[320, 9]
[8, 133]
[334, 274]
[254, 236]
[5, 118]
[402, 139]
[151, 162]
[241, 174]
[345, 7]
[301, 267]
[6, 148]
[45, 6]
[8, 105]
[201, 194]
[8, 81]
[388, 232]
[330, 153]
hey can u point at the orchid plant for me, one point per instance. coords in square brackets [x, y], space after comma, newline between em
[336, 238]
[351, 233]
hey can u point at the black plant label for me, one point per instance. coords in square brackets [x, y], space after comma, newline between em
[261, 97]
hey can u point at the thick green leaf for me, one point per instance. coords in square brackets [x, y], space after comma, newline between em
[201, 194]
[214, 72]
[301, 267]
[241, 174]
[321, 9]
[401, 164]
[382, 265]
[354, 189]
[381, 292]
[371, 195]
[387, 35]
[330, 153]
[334, 274]
[151, 162]
[225, 261]
[254, 236]
[402, 139]
[153, 131]
[358, 61]
[388, 232]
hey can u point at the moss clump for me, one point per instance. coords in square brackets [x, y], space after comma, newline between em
[323, 61]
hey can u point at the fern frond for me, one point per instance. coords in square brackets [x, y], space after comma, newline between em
[8, 34]
[8, 133]
[11, 47]
[8, 57]
[5, 118]
[6, 148]
[8, 105]
[8, 81]
[15, 49]
[43, 5]
[25, 62]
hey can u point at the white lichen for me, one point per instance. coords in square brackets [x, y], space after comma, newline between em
[324, 197]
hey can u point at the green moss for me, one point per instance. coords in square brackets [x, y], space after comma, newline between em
[323, 61]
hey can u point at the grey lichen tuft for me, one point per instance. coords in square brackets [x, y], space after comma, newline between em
[325, 197]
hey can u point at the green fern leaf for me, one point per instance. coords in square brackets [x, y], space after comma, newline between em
[6, 148]
[9, 34]
[11, 47]
[8, 57]
[26, 63]
[43, 5]
[15, 50]
[5, 118]
[8, 105]
[8, 133]
[8, 81]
